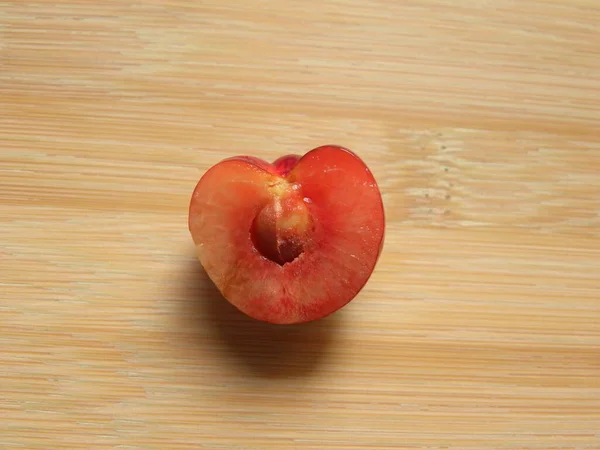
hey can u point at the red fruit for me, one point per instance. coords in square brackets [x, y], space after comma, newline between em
[291, 241]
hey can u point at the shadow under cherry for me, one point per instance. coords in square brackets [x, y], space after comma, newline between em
[259, 349]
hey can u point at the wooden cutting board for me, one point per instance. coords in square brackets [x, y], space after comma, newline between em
[480, 328]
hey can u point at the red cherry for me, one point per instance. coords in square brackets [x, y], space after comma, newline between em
[291, 241]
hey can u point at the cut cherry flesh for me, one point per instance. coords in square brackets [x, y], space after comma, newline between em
[291, 241]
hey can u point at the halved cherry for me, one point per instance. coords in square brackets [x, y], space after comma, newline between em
[291, 241]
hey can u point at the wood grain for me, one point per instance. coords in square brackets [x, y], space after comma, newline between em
[480, 328]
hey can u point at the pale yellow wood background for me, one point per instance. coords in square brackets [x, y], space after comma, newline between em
[480, 328]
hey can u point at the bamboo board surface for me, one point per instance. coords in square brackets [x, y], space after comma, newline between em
[480, 328]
